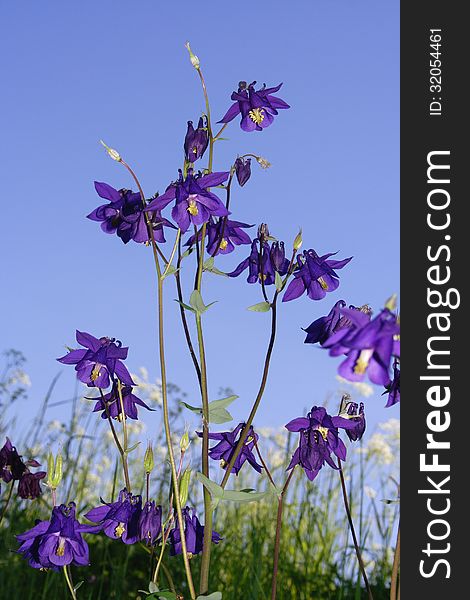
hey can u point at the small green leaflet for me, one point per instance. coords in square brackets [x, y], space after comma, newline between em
[260, 307]
[217, 411]
[213, 596]
[218, 493]
[197, 303]
[278, 281]
[209, 266]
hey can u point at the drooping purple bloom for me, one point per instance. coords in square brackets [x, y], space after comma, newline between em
[100, 362]
[196, 141]
[223, 235]
[357, 416]
[125, 216]
[277, 255]
[112, 402]
[257, 107]
[194, 202]
[393, 387]
[228, 441]
[11, 465]
[368, 345]
[314, 274]
[194, 534]
[28, 485]
[319, 437]
[150, 523]
[260, 265]
[58, 542]
[321, 329]
[243, 170]
[119, 519]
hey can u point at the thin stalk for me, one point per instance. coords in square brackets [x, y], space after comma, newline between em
[216, 136]
[171, 583]
[7, 501]
[277, 543]
[175, 245]
[265, 466]
[160, 558]
[117, 442]
[353, 531]
[124, 433]
[68, 579]
[394, 587]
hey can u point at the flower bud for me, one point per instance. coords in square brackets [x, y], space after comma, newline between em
[114, 154]
[243, 170]
[263, 163]
[148, 459]
[391, 303]
[184, 486]
[196, 141]
[184, 442]
[298, 240]
[192, 57]
[263, 232]
[278, 255]
[54, 470]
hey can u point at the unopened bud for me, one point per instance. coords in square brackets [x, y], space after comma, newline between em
[391, 303]
[54, 470]
[298, 240]
[192, 57]
[148, 459]
[184, 442]
[114, 154]
[184, 486]
[263, 163]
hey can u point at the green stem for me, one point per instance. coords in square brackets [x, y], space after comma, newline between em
[68, 579]
[394, 587]
[117, 442]
[7, 501]
[277, 543]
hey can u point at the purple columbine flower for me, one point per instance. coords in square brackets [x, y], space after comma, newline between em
[28, 485]
[11, 465]
[196, 141]
[58, 542]
[100, 362]
[150, 523]
[257, 107]
[125, 216]
[357, 416]
[260, 265]
[194, 534]
[119, 519]
[321, 329]
[368, 345]
[194, 202]
[112, 402]
[319, 437]
[223, 235]
[243, 170]
[228, 441]
[314, 274]
[393, 387]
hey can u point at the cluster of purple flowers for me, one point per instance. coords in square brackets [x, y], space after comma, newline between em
[13, 468]
[369, 344]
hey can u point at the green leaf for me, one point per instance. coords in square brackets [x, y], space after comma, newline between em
[188, 252]
[208, 264]
[213, 596]
[78, 585]
[215, 490]
[244, 496]
[196, 409]
[153, 587]
[197, 303]
[278, 281]
[129, 450]
[260, 307]
[217, 411]
[171, 271]
[185, 306]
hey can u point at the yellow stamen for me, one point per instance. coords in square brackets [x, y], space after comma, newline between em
[323, 283]
[96, 372]
[323, 431]
[120, 529]
[61, 547]
[363, 362]
[248, 440]
[223, 244]
[256, 115]
[262, 276]
[192, 208]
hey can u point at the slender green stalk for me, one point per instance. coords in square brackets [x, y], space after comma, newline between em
[124, 433]
[277, 542]
[7, 501]
[68, 579]
[394, 587]
[117, 442]
[353, 531]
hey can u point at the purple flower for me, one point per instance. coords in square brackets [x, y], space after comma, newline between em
[196, 141]
[393, 387]
[58, 542]
[28, 486]
[257, 107]
[194, 534]
[357, 416]
[321, 329]
[319, 437]
[228, 441]
[243, 170]
[112, 401]
[150, 523]
[119, 519]
[223, 235]
[314, 274]
[368, 345]
[194, 202]
[100, 362]
[125, 216]
[11, 465]
[260, 264]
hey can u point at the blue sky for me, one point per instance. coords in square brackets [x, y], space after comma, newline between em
[77, 72]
